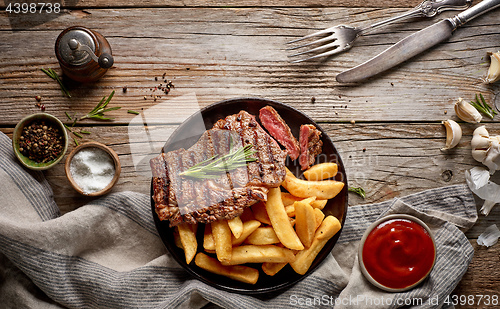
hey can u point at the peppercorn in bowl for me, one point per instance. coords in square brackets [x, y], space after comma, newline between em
[40, 141]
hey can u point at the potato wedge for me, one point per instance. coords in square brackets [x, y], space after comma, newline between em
[263, 236]
[323, 190]
[248, 228]
[188, 241]
[319, 215]
[290, 211]
[289, 199]
[177, 238]
[280, 220]
[236, 226]
[222, 238]
[238, 272]
[272, 269]
[305, 222]
[260, 254]
[328, 228]
[321, 171]
[320, 204]
[260, 213]
[208, 238]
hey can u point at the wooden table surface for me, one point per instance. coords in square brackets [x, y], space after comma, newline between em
[388, 129]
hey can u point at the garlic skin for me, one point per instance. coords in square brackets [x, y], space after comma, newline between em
[494, 70]
[467, 112]
[453, 134]
[478, 180]
[486, 148]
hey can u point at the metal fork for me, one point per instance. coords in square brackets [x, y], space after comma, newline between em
[340, 38]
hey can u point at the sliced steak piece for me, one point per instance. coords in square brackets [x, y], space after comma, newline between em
[278, 129]
[187, 199]
[269, 169]
[310, 145]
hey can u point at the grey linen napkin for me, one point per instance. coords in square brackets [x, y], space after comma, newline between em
[107, 254]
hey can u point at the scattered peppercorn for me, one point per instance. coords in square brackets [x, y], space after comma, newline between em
[313, 100]
[38, 98]
[125, 88]
[41, 141]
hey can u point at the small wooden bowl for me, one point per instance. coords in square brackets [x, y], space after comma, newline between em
[111, 153]
[31, 164]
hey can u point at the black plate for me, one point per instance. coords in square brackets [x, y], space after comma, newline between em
[185, 136]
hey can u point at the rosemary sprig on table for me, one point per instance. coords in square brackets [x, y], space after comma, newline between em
[100, 109]
[483, 107]
[213, 167]
[96, 113]
[359, 191]
[53, 74]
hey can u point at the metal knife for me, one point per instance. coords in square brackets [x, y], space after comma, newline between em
[415, 44]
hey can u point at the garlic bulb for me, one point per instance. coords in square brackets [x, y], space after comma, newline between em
[453, 134]
[494, 70]
[486, 148]
[467, 112]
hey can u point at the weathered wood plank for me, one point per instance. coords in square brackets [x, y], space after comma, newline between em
[230, 4]
[221, 53]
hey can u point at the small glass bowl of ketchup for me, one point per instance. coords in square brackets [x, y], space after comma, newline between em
[397, 252]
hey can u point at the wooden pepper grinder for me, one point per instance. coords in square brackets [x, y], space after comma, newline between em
[83, 54]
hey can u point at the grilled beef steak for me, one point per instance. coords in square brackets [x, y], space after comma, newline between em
[187, 199]
[269, 169]
[278, 129]
[310, 145]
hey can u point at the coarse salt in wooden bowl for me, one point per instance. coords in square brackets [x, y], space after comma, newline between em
[88, 168]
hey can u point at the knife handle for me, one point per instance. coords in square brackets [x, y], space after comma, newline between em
[475, 11]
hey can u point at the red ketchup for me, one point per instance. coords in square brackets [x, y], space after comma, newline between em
[398, 253]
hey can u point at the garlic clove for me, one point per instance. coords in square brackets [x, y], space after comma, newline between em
[453, 133]
[494, 70]
[467, 112]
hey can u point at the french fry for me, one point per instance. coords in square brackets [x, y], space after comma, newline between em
[236, 226]
[290, 211]
[319, 215]
[248, 228]
[320, 204]
[323, 189]
[222, 237]
[208, 239]
[260, 213]
[188, 241]
[321, 171]
[263, 236]
[260, 254]
[280, 220]
[238, 272]
[289, 199]
[303, 260]
[272, 269]
[305, 222]
[177, 238]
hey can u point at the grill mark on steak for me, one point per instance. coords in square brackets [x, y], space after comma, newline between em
[224, 197]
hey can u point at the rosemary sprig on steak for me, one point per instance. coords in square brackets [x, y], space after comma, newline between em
[214, 166]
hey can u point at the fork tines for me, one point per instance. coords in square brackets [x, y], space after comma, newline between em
[332, 45]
